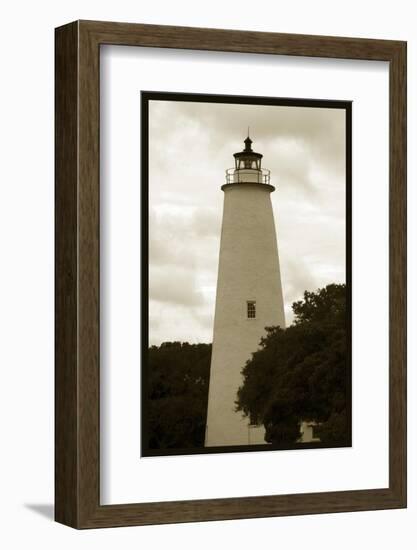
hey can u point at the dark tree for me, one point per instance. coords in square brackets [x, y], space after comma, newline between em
[178, 378]
[301, 373]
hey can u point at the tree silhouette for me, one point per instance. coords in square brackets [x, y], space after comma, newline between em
[177, 394]
[301, 373]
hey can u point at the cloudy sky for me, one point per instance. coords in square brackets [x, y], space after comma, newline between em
[190, 147]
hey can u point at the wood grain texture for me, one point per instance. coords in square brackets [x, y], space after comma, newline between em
[66, 236]
[398, 273]
[78, 285]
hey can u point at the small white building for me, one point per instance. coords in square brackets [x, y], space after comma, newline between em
[307, 431]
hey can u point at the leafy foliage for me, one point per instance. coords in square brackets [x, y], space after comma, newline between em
[300, 373]
[177, 386]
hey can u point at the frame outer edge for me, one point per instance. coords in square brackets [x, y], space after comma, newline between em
[398, 274]
[88, 275]
[66, 267]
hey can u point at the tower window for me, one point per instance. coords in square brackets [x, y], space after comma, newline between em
[251, 309]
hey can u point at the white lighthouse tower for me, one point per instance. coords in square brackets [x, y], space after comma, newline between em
[249, 295]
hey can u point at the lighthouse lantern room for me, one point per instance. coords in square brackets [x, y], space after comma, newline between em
[248, 167]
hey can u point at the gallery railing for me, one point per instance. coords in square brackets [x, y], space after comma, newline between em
[248, 176]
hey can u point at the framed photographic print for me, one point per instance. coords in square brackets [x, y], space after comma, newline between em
[204, 259]
[230, 274]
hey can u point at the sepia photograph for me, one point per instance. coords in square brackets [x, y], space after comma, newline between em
[246, 274]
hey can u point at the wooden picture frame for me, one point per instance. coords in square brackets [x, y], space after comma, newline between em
[77, 374]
